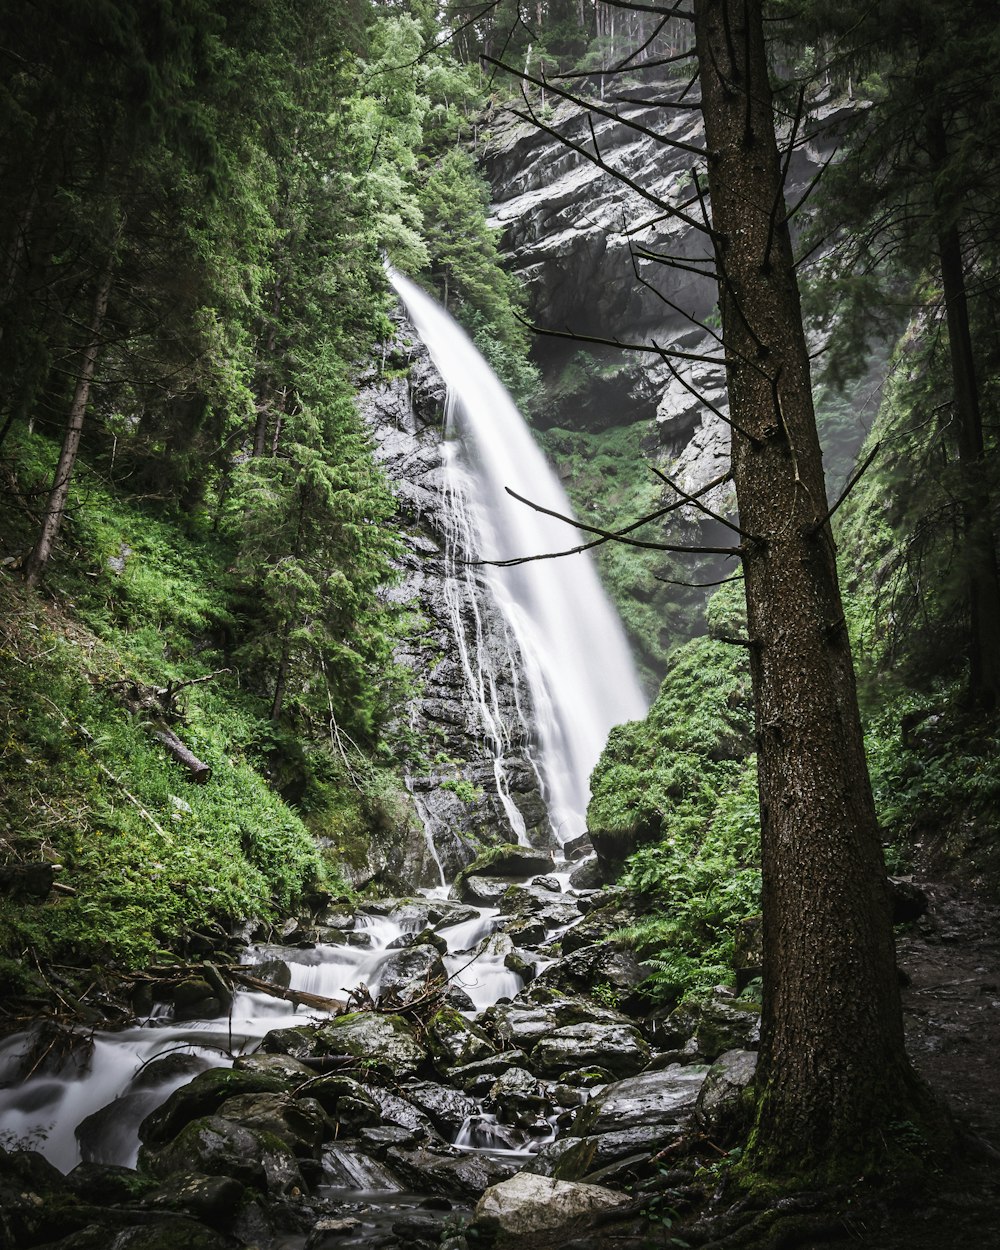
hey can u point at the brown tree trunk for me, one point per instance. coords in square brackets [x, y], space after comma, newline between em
[981, 574]
[55, 507]
[833, 1073]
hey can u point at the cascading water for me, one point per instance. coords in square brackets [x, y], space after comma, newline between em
[575, 658]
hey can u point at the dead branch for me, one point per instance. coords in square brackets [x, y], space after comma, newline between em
[814, 529]
[593, 107]
[608, 535]
[650, 347]
[715, 516]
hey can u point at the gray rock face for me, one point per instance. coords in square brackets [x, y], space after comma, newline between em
[533, 1212]
[721, 1106]
[403, 403]
[651, 1098]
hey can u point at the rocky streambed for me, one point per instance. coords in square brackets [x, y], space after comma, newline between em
[493, 1078]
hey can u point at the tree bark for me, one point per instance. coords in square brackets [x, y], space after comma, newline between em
[199, 770]
[833, 1074]
[982, 578]
[55, 508]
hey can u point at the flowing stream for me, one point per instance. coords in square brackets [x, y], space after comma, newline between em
[81, 1097]
[575, 657]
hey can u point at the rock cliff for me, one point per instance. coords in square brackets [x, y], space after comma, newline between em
[470, 774]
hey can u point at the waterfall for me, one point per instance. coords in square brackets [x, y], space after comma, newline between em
[576, 662]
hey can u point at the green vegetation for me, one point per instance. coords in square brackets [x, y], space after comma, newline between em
[682, 784]
[193, 274]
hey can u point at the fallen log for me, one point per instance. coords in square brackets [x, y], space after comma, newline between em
[299, 997]
[200, 772]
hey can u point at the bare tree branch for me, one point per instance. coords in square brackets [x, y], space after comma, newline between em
[606, 536]
[715, 516]
[662, 352]
[847, 489]
[592, 106]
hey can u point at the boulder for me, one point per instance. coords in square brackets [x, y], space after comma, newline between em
[510, 860]
[618, 1048]
[713, 1025]
[540, 902]
[481, 891]
[211, 1199]
[534, 1212]
[651, 1098]
[725, 1102]
[607, 965]
[301, 1124]
[409, 973]
[345, 1100]
[447, 1108]
[217, 1147]
[453, 1041]
[386, 1042]
[479, 1076]
[447, 1171]
[518, 1097]
[202, 1097]
[538, 1010]
[284, 1068]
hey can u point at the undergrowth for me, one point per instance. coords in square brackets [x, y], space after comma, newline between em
[682, 786]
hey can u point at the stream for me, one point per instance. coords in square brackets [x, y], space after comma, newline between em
[483, 1024]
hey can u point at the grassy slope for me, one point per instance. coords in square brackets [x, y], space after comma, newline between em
[146, 856]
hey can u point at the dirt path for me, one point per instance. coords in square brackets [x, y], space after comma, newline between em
[952, 1015]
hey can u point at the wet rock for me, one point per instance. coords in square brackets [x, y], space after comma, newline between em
[217, 1147]
[384, 1041]
[300, 1043]
[447, 1108]
[107, 1183]
[452, 1173]
[482, 891]
[398, 1111]
[608, 965]
[408, 974]
[548, 905]
[202, 1097]
[511, 860]
[328, 1233]
[213, 1200]
[346, 1101]
[618, 1048]
[651, 1098]
[539, 1010]
[282, 1067]
[715, 1025]
[533, 1212]
[587, 875]
[607, 911]
[301, 1123]
[725, 1103]
[426, 937]
[443, 913]
[195, 999]
[377, 1139]
[168, 1068]
[478, 1077]
[453, 1041]
[517, 1094]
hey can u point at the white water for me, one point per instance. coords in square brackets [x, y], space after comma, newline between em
[577, 664]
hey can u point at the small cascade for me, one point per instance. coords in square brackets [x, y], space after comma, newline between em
[571, 646]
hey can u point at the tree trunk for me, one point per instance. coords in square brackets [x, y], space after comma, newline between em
[980, 557]
[833, 1074]
[55, 507]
